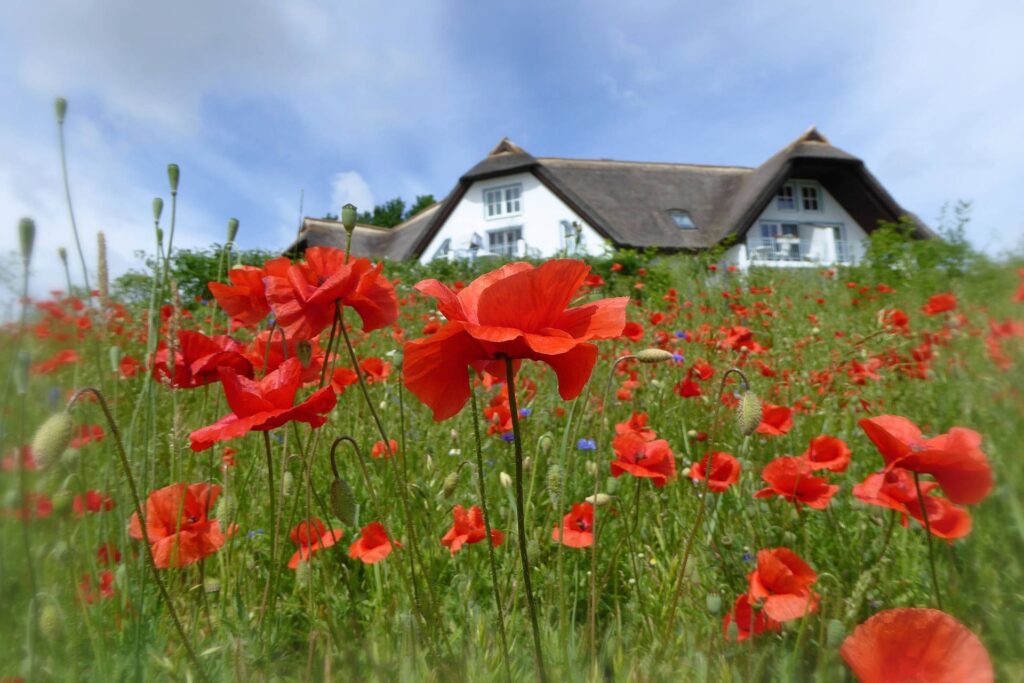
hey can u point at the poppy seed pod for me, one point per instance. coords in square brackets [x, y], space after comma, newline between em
[27, 236]
[748, 416]
[349, 217]
[713, 601]
[60, 106]
[653, 356]
[304, 350]
[62, 253]
[343, 502]
[49, 622]
[232, 230]
[173, 175]
[396, 360]
[158, 208]
[836, 633]
[52, 438]
[450, 484]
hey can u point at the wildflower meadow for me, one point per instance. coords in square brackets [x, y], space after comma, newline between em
[643, 467]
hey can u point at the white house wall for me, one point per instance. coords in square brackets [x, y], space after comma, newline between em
[541, 217]
[815, 241]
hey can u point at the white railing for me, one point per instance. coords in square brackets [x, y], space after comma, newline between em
[786, 250]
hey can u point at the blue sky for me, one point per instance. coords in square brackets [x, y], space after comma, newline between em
[363, 101]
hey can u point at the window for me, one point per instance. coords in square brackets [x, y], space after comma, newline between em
[779, 242]
[809, 198]
[572, 238]
[683, 220]
[503, 242]
[442, 250]
[502, 201]
[786, 199]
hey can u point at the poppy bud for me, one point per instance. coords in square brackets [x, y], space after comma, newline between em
[454, 435]
[611, 485]
[343, 502]
[836, 632]
[713, 601]
[49, 622]
[748, 416]
[232, 230]
[733, 632]
[546, 442]
[527, 463]
[60, 552]
[505, 479]
[653, 356]
[349, 217]
[52, 438]
[287, 484]
[451, 482]
[173, 174]
[60, 107]
[21, 365]
[27, 235]
[115, 358]
[599, 499]
[211, 585]
[591, 467]
[304, 350]
[554, 483]
[62, 253]
[396, 359]
[158, 208]
[788, 538]
[62, 501]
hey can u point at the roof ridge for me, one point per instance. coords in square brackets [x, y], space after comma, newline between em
[648, 163]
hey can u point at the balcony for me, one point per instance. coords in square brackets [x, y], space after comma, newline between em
[795, 251]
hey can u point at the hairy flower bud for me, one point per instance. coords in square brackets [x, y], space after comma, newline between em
[232, 230]
[505, 479]
[173, 175]
[158, 208]
[748, 416]
[52, 438]
[598, 500]
[27, 237]
[60, 107]
[343, 502]
[349, 217]
[653, 356]
[451, 482]
[287, 484]
[49, 622]
[836, 633]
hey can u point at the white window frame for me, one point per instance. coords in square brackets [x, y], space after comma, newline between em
[817, 198]
[506, 247]
[793, 198]
[797, 188]
[501, 201]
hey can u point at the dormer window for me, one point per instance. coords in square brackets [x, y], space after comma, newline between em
[503, 201]
[786, 199]
[810, 198]
[682, 220]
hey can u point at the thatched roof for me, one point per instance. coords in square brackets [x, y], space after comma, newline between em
[630, 202]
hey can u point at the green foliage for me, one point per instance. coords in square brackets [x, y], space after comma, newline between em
[392, 212]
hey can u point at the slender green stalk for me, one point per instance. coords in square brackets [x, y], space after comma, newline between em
[538, 656]
[931, 547]
[137, 500]
[487, 530]
[71, 210]
[272, 575]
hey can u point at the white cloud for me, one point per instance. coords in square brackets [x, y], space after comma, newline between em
[349, 187]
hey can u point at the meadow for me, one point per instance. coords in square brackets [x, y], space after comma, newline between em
[696, 474]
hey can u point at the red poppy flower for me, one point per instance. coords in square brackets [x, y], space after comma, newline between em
[940, 303]
[198, 360]
[633, 331]
[107, 554]
[178, 526]
[910, 644]
[57, 360]
[374, 370]
[782, 583]
[792, 479]
[264, 405]
[245, 300]
[92, 501]
[303, 300]
[648, 459]
[379, 450]
[725, 471]
[103, 591]
[269, 349]
[577, 530]
[468, 527]
[637, 424]
[748, 622]
[894, 489]
[954, 459]
[311, 536]
[87, 434]
[516, 311]
[373, 544]
[775, 420]
[686, 387]
[828, 453]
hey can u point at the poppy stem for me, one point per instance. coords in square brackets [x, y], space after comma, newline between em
[359, 459]
[272, 576]
[123, 456]
[487, 530]
[928, 531]
[520, 518]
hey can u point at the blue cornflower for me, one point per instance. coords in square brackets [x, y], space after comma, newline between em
[681, 334]
[508, 437]
[678, 357]
[525, 412]
[586, 445]
[747, 557]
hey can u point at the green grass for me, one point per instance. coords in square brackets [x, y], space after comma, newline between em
[338, 619]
